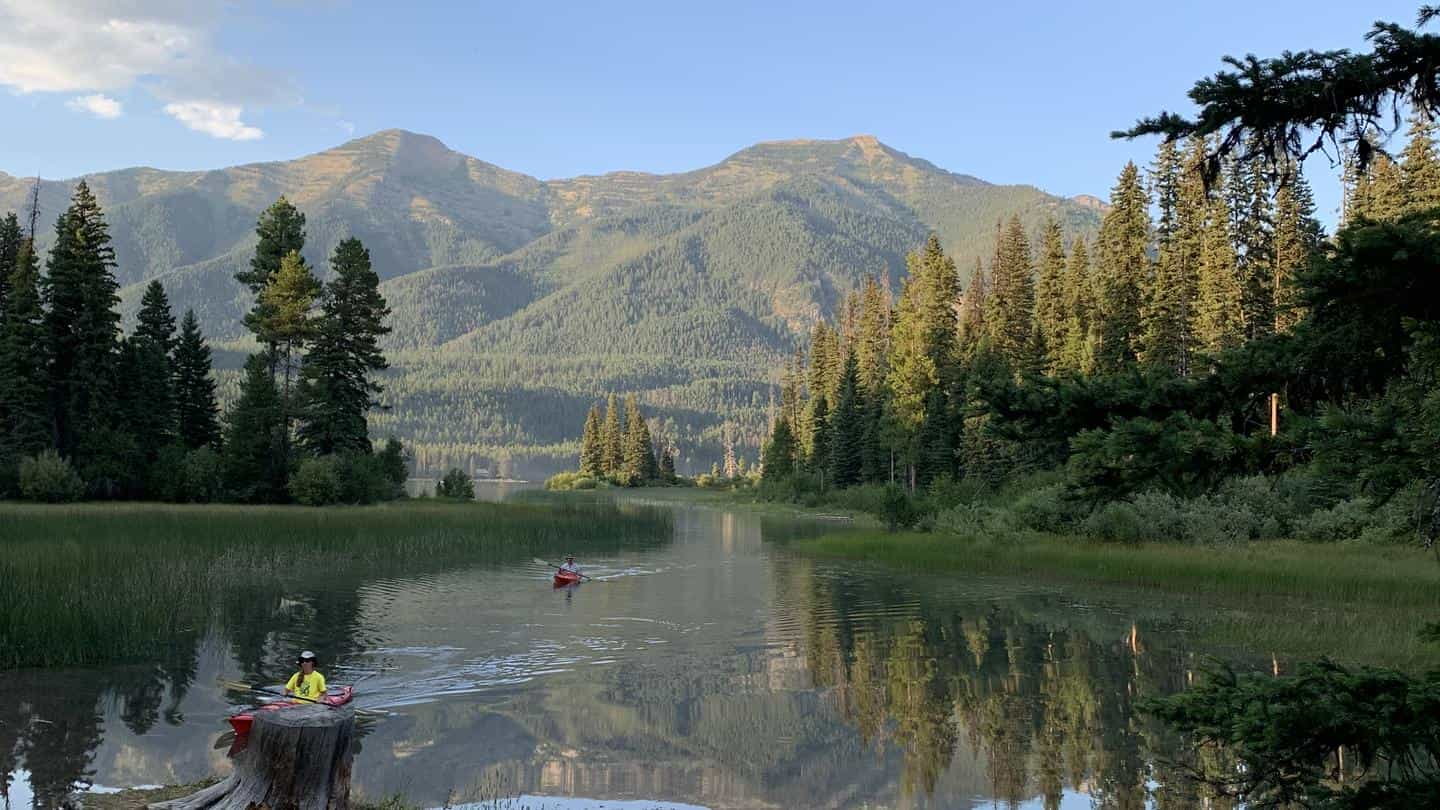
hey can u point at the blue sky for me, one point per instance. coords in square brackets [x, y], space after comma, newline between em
[1009, 92]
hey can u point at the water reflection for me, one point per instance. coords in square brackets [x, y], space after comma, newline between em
[717, 669]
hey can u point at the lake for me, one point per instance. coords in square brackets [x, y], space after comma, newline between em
[712, 666]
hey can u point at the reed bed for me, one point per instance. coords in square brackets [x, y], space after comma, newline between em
[95, 584]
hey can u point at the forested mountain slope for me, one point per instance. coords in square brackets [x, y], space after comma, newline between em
[517, 301]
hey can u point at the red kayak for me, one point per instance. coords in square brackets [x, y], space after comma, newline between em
[563, 578]
[338, 696]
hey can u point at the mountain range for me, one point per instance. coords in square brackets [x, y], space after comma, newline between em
[517, 302]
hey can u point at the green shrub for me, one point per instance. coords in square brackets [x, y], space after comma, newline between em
[1046, 510]
[456, 485]
[898, 509]
[566, 481]
[50, 479]
[317, 482]
[1345, 520]
[1118, 522]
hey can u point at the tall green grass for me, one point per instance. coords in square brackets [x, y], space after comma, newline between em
[96, 584]
[1358, 602]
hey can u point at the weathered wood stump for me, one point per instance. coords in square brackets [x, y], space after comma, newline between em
[297, 759]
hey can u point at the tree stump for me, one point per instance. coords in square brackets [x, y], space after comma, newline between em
[297, 759]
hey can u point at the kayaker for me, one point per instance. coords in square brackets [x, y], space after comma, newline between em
[307, 683]
[570, 567]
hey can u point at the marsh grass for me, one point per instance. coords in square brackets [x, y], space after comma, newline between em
[1354, 602]
[96, 584]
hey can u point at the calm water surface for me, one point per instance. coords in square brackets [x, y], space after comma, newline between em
[720, 670]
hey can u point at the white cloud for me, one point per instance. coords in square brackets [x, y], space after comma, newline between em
[165, 46]
[97, 104]
[218, 120]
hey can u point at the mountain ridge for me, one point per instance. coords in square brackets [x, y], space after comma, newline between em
[518, 300]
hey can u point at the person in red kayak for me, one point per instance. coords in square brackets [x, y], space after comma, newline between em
[307, 683]
[570, 567]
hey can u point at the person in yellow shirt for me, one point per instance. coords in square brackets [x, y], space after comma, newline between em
[307, 683]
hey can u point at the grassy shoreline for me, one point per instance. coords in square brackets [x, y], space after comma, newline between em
[1353, 602]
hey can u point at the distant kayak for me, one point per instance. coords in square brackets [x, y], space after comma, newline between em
[563, 578]
[339, 696]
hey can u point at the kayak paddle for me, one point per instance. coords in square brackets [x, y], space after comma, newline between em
[245, 687]
[558, 568]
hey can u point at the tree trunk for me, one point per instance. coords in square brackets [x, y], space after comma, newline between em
[297, 759]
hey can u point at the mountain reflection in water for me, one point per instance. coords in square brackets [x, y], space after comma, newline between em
[716, 669]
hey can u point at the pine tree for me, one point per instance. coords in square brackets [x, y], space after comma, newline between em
[1252, 229]
[27, 428]
[872, 339]
[1219, 323]
[667, 466]
[1078, 353]
[639, 451]
[847, 427]
[1010, 317]
[592, 449]
[255, 465]
[1121, 272]
[1166, 179]
[150, 382]
[10, 240]
[338, 386]
[281, 231]
[1379, 195]
[973, 303]
[1420, 166]
[83, 326]
[824, 360]
[1050, 313]
[196, 424]
[282, 318]
[875, 452]
[923, 339]
[936, 454]
[778, 458]
[819, 460]
[1170, 307]
[613, 439]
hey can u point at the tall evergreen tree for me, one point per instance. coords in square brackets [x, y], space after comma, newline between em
[825, 362]
[256, 465]
[972, 311]
[592, 449]
[1297, 238]
[282, 318]
[24, 398]
[1050, 313]
[1170, 307]
[1078, 353]
[1010, 317]
[847, 427]
[11, 238]
[280, 232]
[819, 459]
[1420, 165]
[1220, 315]
[82, 324]
[872, 338]
[639, 451]
[1166, 179]
[923, 339]
[149, 385]
[1122, 272]
[1379, 193]
[612, 439]
[339, 386]
[936, 456]
[778, 459]
[196, 424]
[1252, 229]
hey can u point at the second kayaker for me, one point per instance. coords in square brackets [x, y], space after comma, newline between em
[307, 683]
[570, 567]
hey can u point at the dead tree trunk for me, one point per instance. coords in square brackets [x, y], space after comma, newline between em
[297, 759]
